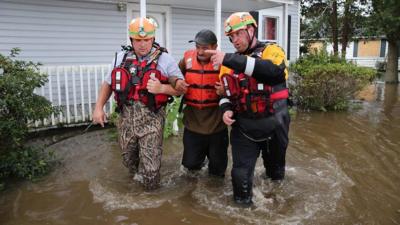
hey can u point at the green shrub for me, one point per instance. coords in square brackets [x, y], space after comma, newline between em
[114, 116]
[27, 163]
[19, 107]
[325, 82]
[172, 115]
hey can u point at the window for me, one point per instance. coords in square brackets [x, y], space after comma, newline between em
[270, 29]
[271, 25]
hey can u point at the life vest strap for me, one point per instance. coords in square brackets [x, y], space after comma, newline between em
[204, 72]
[282, 94]
[202, 102]
[200, 86]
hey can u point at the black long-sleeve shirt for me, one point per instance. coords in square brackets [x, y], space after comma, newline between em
[263, 70]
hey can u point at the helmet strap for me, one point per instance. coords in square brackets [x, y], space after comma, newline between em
[250, 42]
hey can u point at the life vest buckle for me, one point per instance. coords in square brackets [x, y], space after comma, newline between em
[260, 86]
[135, 80]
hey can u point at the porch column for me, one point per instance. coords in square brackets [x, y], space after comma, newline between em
[285, 27]
[143, 8]
[217, 22]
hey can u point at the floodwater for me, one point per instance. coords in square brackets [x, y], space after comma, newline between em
[342, 168]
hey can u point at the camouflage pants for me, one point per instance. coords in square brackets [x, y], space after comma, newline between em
[140, 139]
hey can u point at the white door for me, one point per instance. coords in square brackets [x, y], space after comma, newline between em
[160, 20]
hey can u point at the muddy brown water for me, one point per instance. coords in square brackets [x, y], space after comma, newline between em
[342, 168]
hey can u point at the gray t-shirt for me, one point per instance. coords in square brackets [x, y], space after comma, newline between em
[166, 64]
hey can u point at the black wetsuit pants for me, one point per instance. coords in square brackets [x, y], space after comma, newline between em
[199, 146]
[245, 153]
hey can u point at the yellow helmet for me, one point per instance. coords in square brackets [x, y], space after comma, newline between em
[238, 21]
[142, 28]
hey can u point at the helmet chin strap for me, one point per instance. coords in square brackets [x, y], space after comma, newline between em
[250, 42]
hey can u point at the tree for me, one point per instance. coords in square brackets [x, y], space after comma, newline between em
[338, 20]
[386, 20]
[334, 25]
[316, 19]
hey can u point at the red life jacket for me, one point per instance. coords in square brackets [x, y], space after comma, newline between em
[129, 82]
[251, 97]
[201, 92]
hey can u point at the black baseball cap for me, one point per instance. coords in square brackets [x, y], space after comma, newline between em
[205, 37]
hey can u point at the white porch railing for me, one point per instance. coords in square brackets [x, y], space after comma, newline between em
[74, 89]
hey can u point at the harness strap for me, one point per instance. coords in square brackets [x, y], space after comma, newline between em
[248, 103]
[123, 59]
[200, 102]
[124, 95]
[282, 94]
[202, 86]
[202, 71]
[153, 65]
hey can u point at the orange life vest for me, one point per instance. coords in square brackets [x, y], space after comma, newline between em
[251, 97]
[201, 92]
[129, 82]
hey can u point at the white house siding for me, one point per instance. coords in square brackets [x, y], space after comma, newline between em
[186, 23]
[293, 11]
[56, 32]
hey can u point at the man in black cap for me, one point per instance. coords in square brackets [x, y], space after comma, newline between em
[205, 134]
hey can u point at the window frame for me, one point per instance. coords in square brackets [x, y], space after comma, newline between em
[276, 13]
[277, 29]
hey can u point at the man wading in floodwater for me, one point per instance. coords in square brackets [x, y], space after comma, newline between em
[205, 133]
[141, 84]
[254, 79]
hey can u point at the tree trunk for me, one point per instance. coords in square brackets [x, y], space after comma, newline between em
[391, 75]
[334, 25]
[346, 28]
